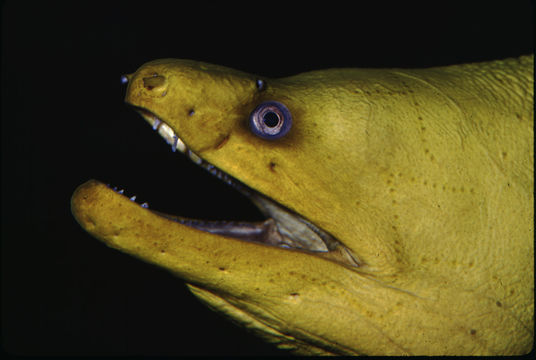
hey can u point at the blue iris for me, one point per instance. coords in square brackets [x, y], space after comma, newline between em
[270, 120]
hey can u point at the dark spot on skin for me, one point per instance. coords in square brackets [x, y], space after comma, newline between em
[504, 154]
[191, 112]
[498, 303]
[416, 103]
[272, 166]
[393, 227]
[420, 118]
[473, 331]
[222, 268]
[294, 294]
[518, 116]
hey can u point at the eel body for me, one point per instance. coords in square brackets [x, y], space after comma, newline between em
[398, 203]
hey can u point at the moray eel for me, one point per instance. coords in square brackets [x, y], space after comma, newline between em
[398, 203]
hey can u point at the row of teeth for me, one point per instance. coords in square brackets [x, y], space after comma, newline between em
[132, 198]
[172, 139]
[176, 143]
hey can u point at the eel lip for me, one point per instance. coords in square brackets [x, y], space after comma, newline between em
[282, 227]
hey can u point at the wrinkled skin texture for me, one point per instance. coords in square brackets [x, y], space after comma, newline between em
[425, 175]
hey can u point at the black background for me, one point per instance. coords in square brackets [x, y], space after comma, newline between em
[64, 122]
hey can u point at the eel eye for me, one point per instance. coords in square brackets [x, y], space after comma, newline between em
[270, 120]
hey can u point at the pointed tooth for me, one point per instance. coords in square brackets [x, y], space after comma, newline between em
[156, 123]
[121, 191]
[175, 141]
[194, 157]
[133, 198]
[145, 205]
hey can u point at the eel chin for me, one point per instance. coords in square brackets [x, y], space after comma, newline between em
[282, 228]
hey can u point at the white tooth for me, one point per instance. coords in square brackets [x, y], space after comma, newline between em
[169, 135]
[196, 159]
[145, 205]
[179, 145]
[133, 198]
[166, 132]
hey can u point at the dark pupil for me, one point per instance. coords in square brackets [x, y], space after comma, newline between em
[271, 119]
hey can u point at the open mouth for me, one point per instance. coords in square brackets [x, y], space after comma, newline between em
[282, 228]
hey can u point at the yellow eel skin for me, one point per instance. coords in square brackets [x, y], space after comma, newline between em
[425, 176]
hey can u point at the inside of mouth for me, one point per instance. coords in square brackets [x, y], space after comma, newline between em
[282, 227]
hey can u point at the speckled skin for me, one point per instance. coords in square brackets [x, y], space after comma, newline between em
[425, 175]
